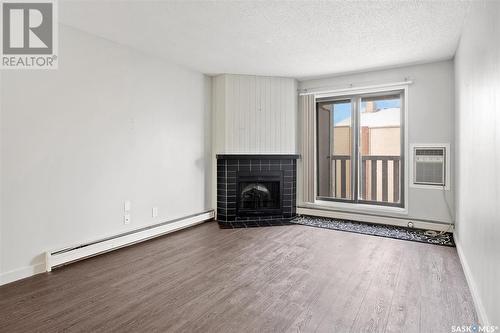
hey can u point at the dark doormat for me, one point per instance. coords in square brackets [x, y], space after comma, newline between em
[403, 233]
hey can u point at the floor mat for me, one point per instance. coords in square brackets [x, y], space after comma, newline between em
[410, 234]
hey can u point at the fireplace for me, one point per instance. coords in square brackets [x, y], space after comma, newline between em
[256, 190]
[259, 193]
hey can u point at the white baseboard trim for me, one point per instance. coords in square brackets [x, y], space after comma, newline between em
[389, 220]
[72, 254]
[476, 298]
[21, 273]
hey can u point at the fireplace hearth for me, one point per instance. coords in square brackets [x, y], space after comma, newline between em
[256, 190]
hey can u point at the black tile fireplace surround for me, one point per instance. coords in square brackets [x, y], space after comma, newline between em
[256, 190]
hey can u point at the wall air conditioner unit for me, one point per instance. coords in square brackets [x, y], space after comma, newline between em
[430, 166]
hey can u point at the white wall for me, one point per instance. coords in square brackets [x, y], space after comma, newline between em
[111, 124]
[1, 183]
[477, 68]
[430, 120]
[255, 114]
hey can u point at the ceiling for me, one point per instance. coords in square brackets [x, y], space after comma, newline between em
[299, 39]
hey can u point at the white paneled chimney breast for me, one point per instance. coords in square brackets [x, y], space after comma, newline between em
[255, 114]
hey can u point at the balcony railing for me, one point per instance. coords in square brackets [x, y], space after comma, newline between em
[373, 168]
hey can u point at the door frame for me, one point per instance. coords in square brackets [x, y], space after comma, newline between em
[355, 97]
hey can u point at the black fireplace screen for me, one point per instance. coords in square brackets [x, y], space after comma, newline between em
[259, 195]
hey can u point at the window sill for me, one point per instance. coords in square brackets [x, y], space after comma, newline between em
[360, 208]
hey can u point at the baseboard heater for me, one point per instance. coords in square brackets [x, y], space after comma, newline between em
[69, 255]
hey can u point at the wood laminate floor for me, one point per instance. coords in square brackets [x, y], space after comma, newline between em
[274, 279]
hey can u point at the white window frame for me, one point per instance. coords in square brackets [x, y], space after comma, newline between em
[362, 207]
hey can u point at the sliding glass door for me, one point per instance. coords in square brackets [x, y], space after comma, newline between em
[335, 149]
[359, 145]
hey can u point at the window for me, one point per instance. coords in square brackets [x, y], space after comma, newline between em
[359, 148]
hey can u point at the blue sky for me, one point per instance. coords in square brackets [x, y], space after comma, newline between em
[343, 110]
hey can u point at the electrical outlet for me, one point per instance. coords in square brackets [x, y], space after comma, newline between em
[126, 219]
[154, 212]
